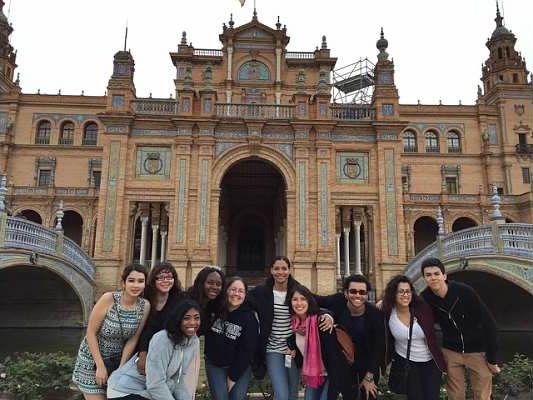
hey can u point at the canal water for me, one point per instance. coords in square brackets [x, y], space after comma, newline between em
[68, 340]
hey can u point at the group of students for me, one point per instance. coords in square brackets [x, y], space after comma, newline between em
[283, 329]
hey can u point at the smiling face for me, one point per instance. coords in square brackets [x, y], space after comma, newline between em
[212, 285]
[404, 295]
[299, 305]
[236, 293]
[134, 284]
[435, 279]
[190, 322]
[280, 272]
[164, 281]
[356, 294]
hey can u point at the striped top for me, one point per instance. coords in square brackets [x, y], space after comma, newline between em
[281, 324]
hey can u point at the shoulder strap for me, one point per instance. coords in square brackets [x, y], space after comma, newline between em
[411, 322]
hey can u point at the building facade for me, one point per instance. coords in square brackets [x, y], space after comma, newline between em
[252, 158]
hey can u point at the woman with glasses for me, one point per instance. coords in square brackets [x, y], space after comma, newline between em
[206, 290]
[230, 344]
[163, 291]
[364, 323]
[402, 306]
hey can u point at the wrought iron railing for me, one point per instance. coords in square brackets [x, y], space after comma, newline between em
[155, 106]
[24, 234]
[254, 111]
[524, 148]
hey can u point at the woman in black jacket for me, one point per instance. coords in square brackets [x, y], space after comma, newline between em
[230, 343]
[325, 371]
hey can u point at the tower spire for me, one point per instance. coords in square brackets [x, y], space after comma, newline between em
[126, 37]
[499, 18]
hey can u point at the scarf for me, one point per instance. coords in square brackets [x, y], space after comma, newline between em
[312, 374]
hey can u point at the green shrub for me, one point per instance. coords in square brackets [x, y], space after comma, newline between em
[36, 376]
[515, 379]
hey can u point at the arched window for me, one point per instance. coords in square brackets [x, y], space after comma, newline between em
[454, 142]
[409, 142]
[67, 133]
[432, 142]
[254, 71]
[43, 133]
[90, 134]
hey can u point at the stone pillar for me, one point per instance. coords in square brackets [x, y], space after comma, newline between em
[155, 230]
[163, 256]
[338, 253]
[357, 241]
[144, 228]
[346, 232]
[278, 65]
[230, 62]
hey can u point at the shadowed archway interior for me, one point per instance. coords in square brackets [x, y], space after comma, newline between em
[252, 216]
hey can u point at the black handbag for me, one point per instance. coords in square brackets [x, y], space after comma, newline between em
[399, 370]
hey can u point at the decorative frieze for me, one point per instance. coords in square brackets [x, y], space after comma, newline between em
[204, 186]
[302, 202]
[153, 132]
[324, 221]
[390, 198]
[56, 117]
[180, 214]
[111, 198]
[221, 147]
[285, 148]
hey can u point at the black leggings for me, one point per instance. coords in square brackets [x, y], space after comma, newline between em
[423, 381]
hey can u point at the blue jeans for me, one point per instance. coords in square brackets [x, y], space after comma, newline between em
[217, 379]
[285, 381]
[320, 393]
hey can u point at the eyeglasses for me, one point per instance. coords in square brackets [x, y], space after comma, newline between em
[237, 290]
[362, 292]
[403, 292]
[164, 278]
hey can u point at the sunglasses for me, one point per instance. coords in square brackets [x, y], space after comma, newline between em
[362, 292]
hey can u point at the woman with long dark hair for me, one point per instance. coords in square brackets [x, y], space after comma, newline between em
[163, 291]
[405, 312]
[316, 352]
[230, 344]
[172, 362]
[114, 327]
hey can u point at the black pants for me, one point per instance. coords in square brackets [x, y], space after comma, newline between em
[423, 381]
[355, 392]
[130, 397]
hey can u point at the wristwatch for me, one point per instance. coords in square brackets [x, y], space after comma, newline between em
[369, 378]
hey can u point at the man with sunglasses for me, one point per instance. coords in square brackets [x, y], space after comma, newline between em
[364, 323]
[469, 334]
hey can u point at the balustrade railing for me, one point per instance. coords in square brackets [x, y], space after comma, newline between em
[469, 242]
[517, 239]
[352, 112]
[254, 111]
[24, 234]
[155, 106]
[300, 55]
[524, 148]
[55, 191]
[208, 52]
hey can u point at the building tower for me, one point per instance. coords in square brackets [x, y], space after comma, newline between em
[7, 54]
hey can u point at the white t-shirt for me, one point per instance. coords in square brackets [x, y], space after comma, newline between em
[419, 348]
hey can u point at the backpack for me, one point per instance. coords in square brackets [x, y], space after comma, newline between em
[345, 343]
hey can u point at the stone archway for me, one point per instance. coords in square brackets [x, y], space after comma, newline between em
[425, 232]
[33, 296]
[73, 226]
[30, 215]
[252, 216]
[463, 223]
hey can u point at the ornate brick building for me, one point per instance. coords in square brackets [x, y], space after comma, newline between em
[252, 158]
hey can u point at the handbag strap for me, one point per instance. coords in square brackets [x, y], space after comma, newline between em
[411, 322]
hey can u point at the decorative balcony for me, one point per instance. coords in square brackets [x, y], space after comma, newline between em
[300, 55]
[155, 106]
[254, 111]
[524, 148]
[208, 52]
[54, 191]
[352, 112]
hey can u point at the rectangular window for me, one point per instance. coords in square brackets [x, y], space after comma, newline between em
[45, 177]
[493, 137]
[526, 175]
[186, 104]
[451, 184]
[323, 109]
[207, 106]
[301, 108]
[97, 176]
[405, 184]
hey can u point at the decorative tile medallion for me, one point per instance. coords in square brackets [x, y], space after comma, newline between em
[153, 161]
[352, 167]
[111, 200]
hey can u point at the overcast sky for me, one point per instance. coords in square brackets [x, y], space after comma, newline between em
[437, 45]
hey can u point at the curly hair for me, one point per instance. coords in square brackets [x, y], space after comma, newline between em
[389, 300]
[150, 290]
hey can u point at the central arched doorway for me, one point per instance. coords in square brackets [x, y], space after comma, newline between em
[252, 214]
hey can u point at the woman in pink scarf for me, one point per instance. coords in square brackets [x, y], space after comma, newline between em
[313, 350]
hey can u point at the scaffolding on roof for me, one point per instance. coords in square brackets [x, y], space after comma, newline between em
[353, 84]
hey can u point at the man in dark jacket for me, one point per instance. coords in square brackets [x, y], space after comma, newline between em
[366, 326]
[469, 333]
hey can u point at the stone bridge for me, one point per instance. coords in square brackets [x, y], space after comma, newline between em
[46, 279]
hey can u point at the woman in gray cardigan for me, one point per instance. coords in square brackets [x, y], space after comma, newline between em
[172, 363]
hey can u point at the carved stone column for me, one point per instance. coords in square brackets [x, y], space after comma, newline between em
[155, 230]
[357, 241]
[144, 229]
[338, 253]
[163, 255]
